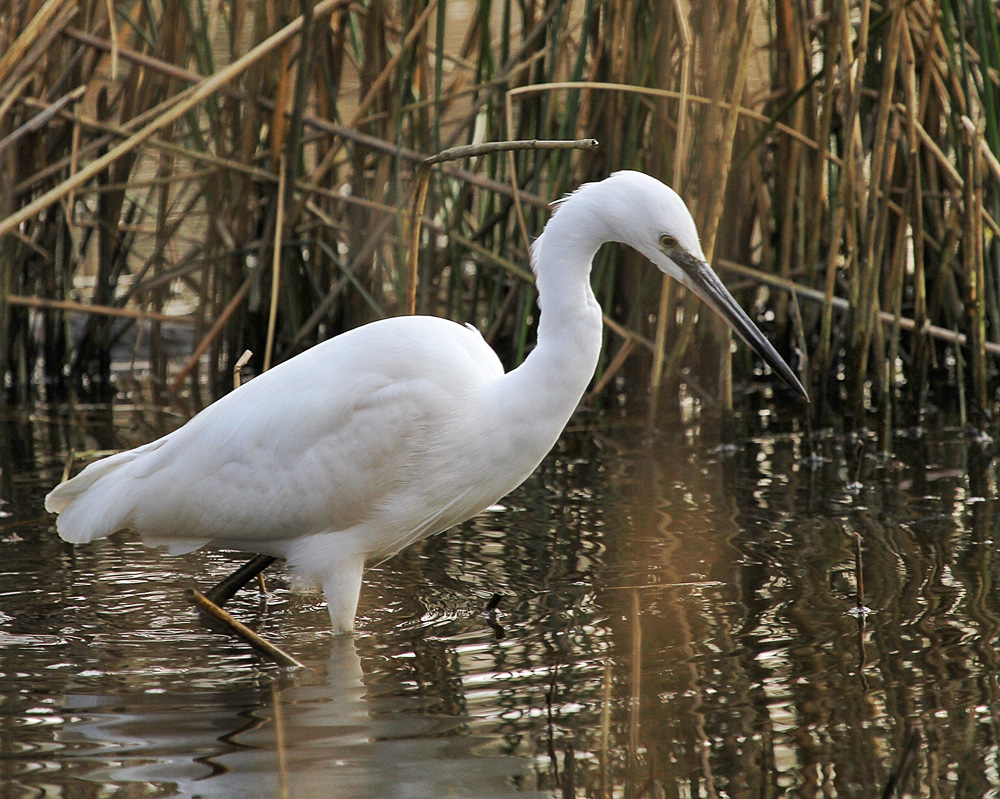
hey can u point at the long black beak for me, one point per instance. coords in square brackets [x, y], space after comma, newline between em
[706, 284]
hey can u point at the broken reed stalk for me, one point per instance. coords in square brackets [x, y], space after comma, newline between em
[41, 119]
[261, 644]
[422, 183]
[242, 361]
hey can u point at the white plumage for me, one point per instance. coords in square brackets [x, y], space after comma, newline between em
[398, 429]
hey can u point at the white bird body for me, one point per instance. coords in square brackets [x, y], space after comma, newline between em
[385, 434]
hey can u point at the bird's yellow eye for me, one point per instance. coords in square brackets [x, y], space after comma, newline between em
[667, 241]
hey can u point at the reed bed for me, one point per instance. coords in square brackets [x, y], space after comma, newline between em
[190, 180]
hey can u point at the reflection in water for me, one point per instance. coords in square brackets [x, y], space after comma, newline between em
[676, 616]
[322, 738]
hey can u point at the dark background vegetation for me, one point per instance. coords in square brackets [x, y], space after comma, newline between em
[839, 157]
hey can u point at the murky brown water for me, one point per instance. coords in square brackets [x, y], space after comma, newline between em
[677, 622]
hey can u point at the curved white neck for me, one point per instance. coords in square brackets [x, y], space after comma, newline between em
[549, 384]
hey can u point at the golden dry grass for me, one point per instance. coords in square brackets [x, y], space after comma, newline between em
[252, 166]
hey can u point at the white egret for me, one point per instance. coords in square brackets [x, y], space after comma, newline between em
[396, 430]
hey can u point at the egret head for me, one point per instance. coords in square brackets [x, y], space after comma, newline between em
[652, 218]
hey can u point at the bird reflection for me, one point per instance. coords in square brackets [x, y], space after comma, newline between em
[319, 735]
[491, 617]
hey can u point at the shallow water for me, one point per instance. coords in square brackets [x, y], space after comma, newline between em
[678, 619]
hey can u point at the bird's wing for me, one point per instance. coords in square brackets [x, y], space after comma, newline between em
[322, 443]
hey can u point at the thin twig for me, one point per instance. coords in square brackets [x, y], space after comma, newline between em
[272, 316]
[226, 589]
[422, 185]
[493, 147]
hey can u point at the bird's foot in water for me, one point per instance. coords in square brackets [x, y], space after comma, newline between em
[491, 617]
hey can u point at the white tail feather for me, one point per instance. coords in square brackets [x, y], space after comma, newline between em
[95, 503]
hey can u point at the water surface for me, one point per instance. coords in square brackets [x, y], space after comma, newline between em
[678, 619]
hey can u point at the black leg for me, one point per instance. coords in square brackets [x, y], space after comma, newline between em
[226, 589]
[491, 617]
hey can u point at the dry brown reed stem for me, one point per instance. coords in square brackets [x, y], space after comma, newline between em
[323, 125]
[972, 247]
[855, 206]
[875, 223]
[663, 315]
[693, 99]
[178, 106]
[258, 642]
[840, 304]
[913, 213]
[827, 185]
[99, 310]
[683, 95]
[279, 227]
[492, 148]
[14, 95]
[612, 369]
[34, 40]
[421, 185]
[39, 120]
[716, 177]
[242, 361]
